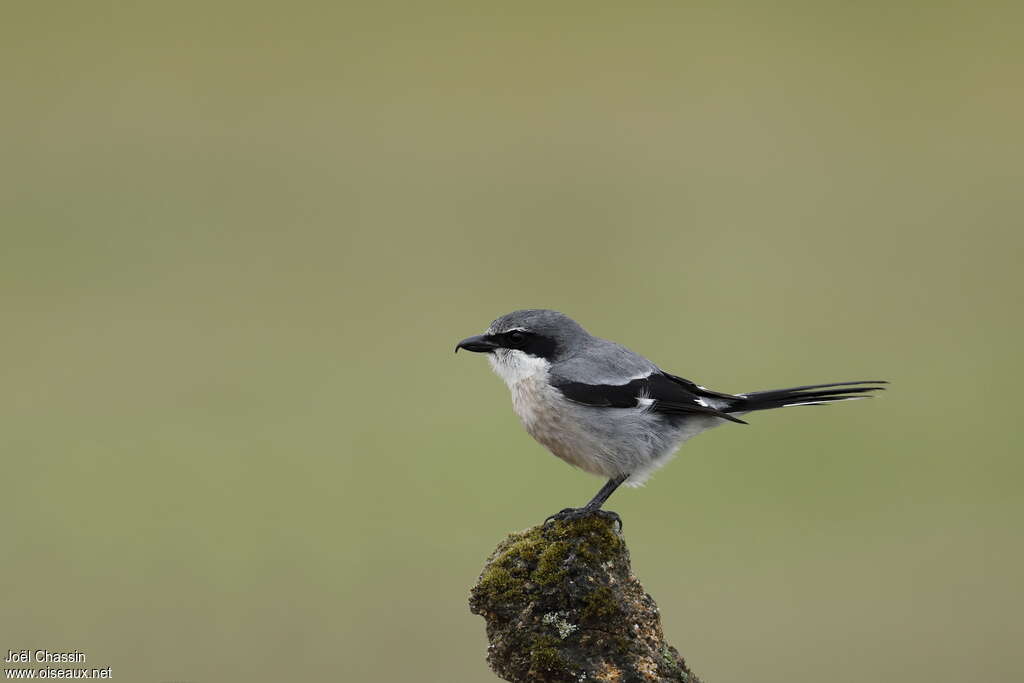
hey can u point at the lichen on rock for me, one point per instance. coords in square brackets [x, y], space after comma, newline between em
[561, 604]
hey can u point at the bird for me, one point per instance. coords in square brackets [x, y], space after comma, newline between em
[610, 411]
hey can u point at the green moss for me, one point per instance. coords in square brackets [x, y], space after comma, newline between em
[600, 605]
[508, 569]
[551, 563]
[499, 585]
[540, 555]
[599, 541]
[525, 548]
[544, 654]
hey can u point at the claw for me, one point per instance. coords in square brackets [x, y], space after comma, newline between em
[579, 513]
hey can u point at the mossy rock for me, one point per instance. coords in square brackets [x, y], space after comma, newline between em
[561, 604]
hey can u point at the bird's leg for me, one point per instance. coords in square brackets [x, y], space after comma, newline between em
[608, 489]
[594, 506]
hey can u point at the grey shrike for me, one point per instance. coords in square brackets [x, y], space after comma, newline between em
[610, 411]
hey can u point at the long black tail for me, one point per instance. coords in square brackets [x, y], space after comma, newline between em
[810, 395]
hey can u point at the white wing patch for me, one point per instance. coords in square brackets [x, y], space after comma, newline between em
[713, 403]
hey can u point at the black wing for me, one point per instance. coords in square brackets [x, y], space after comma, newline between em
[671, 395]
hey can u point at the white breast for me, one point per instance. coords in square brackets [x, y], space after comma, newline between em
[514, 366]
[526, 377]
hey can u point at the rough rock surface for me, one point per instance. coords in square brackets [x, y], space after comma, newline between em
[561, 604]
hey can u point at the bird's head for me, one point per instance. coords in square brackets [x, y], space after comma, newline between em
[522, 343]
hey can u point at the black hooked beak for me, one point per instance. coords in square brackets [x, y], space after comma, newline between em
[481, 343]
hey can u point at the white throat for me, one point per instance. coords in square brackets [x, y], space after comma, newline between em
[514, 366]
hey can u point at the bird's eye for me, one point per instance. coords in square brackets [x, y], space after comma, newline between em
[516, 337]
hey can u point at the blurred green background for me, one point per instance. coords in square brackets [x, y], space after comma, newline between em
[239, 242]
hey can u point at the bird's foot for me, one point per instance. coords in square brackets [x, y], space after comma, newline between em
[569, 514]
